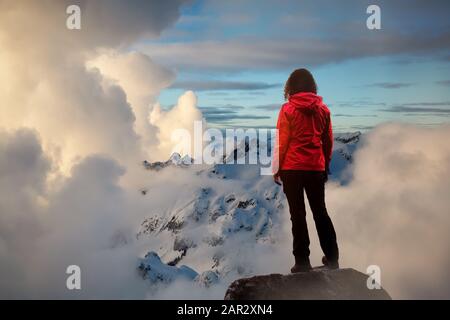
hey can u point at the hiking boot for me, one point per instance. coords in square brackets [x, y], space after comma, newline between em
[301, 268]
[330, 264]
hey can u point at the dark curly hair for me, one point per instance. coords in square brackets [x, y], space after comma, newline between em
[300, 80]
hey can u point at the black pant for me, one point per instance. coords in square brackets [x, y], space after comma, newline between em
[313, 182]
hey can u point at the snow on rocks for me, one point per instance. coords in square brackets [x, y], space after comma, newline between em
[154, 270]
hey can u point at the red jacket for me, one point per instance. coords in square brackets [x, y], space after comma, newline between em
[304, 136]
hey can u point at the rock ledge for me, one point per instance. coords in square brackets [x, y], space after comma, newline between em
[322, 284]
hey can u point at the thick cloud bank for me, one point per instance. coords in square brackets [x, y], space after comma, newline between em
[74, 124]
[395, 211]
[79, 220]
[80, 89]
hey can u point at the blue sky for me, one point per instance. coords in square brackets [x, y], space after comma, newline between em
[236, 56]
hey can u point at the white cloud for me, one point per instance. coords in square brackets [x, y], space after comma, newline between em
[181, 116]
[24, 169]
[142, 80]
[90, 124]
[77, 111]
[86, 219]
[394, 213]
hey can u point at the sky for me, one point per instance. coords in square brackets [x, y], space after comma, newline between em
[237, 55]
[80, 110]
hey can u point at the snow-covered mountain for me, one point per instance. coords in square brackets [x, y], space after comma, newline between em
[175, 159]
[208, 230]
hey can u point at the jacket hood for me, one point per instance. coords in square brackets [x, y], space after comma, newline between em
[307, 102]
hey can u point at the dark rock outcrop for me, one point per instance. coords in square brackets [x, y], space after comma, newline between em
[322, 284]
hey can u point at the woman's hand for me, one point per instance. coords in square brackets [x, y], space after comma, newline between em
[276, 178]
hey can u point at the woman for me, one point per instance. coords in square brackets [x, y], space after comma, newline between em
[302, 158]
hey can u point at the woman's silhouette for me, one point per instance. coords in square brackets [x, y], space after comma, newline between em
[301, 160]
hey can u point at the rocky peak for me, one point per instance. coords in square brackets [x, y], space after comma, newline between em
[321, 284]
[174, 160]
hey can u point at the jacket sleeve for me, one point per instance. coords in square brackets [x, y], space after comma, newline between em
[281, 141]
[327, 142]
